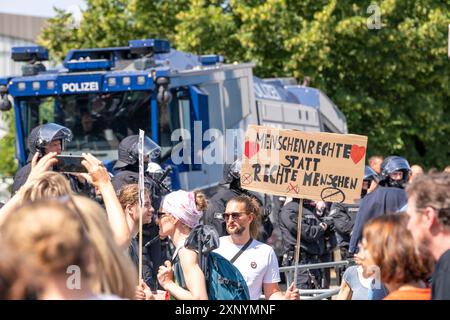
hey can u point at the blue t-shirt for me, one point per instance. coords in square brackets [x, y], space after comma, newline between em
[361, 292]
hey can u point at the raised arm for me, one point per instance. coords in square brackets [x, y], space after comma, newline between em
[100, 179]
[37, 167]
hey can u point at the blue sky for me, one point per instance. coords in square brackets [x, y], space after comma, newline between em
[42, 8]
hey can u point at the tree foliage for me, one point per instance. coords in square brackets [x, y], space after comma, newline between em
[8, 165]
[391, 83]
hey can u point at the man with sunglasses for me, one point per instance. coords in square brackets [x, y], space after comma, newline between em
[255, 260]
[229, 188]
[429, 222]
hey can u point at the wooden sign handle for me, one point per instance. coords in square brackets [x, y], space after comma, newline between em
[299, 234]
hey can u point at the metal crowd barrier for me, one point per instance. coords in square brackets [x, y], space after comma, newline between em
[316, 294]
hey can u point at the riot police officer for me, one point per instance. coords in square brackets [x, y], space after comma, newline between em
[344, 215]
[230, 187]
[395, 172]
[45, 138]
[126, 170]
[313, 242]
[387, 198]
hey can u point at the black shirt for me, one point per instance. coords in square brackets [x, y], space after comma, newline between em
[312, 239]
[440, 289]
[152, 255]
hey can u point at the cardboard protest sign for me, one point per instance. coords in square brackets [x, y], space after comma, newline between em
[298, 164]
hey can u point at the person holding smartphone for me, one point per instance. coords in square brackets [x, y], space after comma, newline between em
[43, 139]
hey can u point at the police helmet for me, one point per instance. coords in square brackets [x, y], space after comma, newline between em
[129, 151]
[155, 170]
[232, 171]
[370, 174]
[390, 165]
[44, 134]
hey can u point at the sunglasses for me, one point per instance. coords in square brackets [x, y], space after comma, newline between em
[234, 215]
[161, 214]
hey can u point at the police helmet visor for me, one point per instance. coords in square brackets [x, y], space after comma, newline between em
[235, 169]
[370, 174]
[151, 148]
[53, 131]
[396, 164]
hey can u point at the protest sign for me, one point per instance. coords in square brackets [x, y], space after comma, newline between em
[298, 164]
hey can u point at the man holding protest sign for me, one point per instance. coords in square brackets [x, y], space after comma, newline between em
[306, 165]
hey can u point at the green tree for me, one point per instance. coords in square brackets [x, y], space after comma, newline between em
[111, 23]
[8, 164]
[391, 83]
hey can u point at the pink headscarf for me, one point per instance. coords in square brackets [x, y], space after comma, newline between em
[181, 204]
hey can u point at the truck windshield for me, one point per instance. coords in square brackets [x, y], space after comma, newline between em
[98, 121]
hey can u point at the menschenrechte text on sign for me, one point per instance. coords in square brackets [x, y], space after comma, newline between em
[298, 164]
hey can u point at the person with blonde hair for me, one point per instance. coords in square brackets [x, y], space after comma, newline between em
[108, 270]
[16, 281]
[37, 168]
[56, 243]
[114, 271]
[46, 185]
[180, 213]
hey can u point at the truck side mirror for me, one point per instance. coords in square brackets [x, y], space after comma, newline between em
[5, 104]
[164, 96]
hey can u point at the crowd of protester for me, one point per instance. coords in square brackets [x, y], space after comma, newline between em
[59, 241]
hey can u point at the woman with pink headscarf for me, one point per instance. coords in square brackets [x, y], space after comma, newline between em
[182, 277]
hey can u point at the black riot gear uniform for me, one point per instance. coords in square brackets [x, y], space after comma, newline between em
[387, 198]
[344, 215]
[313, 243]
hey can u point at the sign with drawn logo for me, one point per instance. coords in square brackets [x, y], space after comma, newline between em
[298, 164]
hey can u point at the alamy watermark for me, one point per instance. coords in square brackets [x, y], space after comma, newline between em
[375, 276]
[374, 20]
[73, 282]
[213, 146]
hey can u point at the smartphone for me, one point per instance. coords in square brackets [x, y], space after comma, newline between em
[69, 164]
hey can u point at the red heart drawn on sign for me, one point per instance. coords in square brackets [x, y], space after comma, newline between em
[357, 153]
[251, 148]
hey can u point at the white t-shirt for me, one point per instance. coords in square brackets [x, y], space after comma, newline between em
[258, 264]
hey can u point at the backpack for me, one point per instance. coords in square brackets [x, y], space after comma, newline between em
[223, 280]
